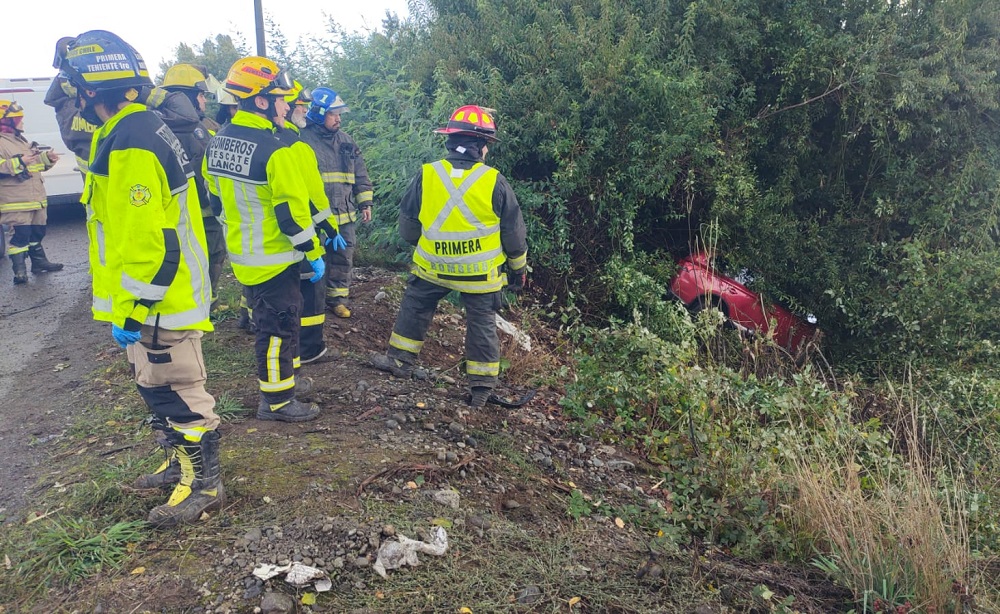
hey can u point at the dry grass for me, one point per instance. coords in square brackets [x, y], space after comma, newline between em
[894, 538]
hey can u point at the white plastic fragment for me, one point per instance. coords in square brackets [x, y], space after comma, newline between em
[520, 337]
[396, 554]
[296, 574]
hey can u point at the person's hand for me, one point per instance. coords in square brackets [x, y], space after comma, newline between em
[124, 337]
[517, 279]
[30, 159]
[366, 215]
[336, 243]
[52, 156]
[319, 269]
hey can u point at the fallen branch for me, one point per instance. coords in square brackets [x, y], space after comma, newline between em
[370, 412]
[415, 467]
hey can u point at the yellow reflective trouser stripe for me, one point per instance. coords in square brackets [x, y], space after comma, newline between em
[337, 177]
[273, 363]
[286, 384]
[314, 320]
[191, 433]
[296, 362]
[243, 302]
[338, 292]
[402, 343]
[11, 250]
[364, 197]
[482, 368]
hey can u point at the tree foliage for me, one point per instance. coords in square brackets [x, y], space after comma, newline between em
[217, 55]
[844, 150]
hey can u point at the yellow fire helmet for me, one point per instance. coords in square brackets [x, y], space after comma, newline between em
[9, 108]
[257, 76]
[186, 76]
[300, 95]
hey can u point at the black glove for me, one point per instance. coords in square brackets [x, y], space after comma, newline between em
[62, 45]
[517, 279]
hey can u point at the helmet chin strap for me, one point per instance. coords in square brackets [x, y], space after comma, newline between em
[88, 110]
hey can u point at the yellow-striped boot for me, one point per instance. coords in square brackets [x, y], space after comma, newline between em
[200, 488]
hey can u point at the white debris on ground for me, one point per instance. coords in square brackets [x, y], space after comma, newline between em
[396, 554]
[520, 337]
[296, 574]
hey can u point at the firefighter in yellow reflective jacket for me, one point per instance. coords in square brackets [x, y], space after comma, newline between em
[312, 346]
[348, 188]
[148, 254]
[466, 224]
[23, 204]
[269, 229]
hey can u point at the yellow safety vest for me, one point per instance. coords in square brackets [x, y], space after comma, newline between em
[147, 242]
[459, 246]
[255, 175]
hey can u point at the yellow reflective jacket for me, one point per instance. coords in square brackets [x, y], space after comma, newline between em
[265, 202]
[147, 242]
[459, 245]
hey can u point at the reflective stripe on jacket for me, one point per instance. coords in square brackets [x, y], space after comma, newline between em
[343, 170]
[147, 249]
[265, 202]
[459, 245]
[21, 185]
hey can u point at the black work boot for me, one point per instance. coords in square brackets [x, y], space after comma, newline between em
[397, 367]
[480, 394]
[165, 476]
[39, 262]
[290, 411]
[200, 488]
[20, 270]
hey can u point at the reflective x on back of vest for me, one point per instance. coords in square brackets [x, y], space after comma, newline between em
[459, 246]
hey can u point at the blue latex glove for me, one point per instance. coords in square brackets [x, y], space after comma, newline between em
[124, 337]
[319, 269]
[338, 243]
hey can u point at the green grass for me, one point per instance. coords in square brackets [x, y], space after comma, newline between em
[64, 550]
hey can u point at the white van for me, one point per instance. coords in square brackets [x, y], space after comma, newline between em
[63, 182]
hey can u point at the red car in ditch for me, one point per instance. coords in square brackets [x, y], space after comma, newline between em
[699, 285]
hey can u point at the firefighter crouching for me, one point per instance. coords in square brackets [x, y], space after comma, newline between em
[269, 229]
[23, 204]
[148, 261]
[466, 224]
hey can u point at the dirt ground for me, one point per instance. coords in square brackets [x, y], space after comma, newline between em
[386, 458]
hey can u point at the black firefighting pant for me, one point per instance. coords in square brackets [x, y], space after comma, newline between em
[311, 342]
[482, 346]
[277, 305]
[340, 267]
[28, 228]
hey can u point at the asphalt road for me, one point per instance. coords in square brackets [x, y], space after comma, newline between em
[34, 315]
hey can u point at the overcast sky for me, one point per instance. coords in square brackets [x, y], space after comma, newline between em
[31, 28]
